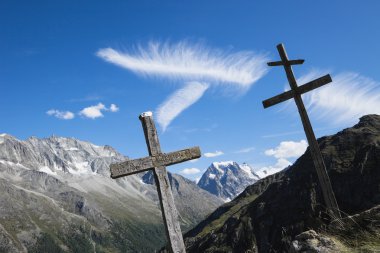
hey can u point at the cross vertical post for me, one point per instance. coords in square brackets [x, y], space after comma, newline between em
[296, 92]
[169, 211]
[157, 162]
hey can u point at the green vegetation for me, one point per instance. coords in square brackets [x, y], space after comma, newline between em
[45, 243]
[234, 210]
[361, 242]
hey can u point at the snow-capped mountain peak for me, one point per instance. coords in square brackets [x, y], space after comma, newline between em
[54, 154]
[227, 179]
[249, 170]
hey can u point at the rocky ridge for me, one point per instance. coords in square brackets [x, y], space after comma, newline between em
[272, 214]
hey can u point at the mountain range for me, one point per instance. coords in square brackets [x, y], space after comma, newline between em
[57, 196]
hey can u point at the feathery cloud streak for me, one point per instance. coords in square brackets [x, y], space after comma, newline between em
[194, 64]
[343, 101]
[191, 62]
[179, 101]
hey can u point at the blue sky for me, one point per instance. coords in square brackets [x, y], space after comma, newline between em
[50, 60]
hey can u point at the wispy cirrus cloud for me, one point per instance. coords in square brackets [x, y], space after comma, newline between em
[66, 115]
[179, 101]
[343, 101]
[190, 63]
[213, 154]
[244, 150]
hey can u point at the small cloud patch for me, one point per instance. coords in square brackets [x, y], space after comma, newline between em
[213, 154]
[93, 112]
[288, 149]
[190, 171]
[114, 108]
[65, 115]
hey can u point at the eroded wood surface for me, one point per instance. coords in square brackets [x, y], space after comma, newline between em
[299, 90]
[324, 180]
[157, 161]
[161, 159]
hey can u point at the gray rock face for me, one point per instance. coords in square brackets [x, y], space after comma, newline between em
[269, 214]
[312, 242]
[227, 179]
[57, 196]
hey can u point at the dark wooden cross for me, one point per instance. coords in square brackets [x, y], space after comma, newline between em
[296, 92]
[157, 161]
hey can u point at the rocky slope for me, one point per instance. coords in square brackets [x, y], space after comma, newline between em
[269, 215]
[57, 196]
[227, 179]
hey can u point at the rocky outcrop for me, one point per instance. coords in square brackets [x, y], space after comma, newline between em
[312, 242]
[269, 215]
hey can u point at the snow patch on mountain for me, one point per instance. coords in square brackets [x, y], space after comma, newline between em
[47, 170]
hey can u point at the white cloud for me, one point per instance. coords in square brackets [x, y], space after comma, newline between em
[190, 171]
[213, 154]
[179, 101]
[288, 149]
[281, 164]
[245, 150]
[94, 111]
[194, 160]
[197, 179]
[193, 64]
[114, 108]
[66, 115]
[343, 101]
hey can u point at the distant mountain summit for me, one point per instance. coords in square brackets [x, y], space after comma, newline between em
[227, 179]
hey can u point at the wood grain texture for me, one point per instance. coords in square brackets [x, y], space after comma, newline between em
[281, 63]
[324, 180]
[299, 90]
[161, 159]
[157, 161]
[169, 211]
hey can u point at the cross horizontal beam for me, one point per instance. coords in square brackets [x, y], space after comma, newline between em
[299, 90]
[287, 63]
[161, 159]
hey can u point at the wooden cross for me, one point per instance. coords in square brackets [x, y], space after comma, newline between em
[296, 92]
[157, 161]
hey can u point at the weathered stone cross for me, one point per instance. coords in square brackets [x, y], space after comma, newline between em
[296, 92]
[157, 161]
